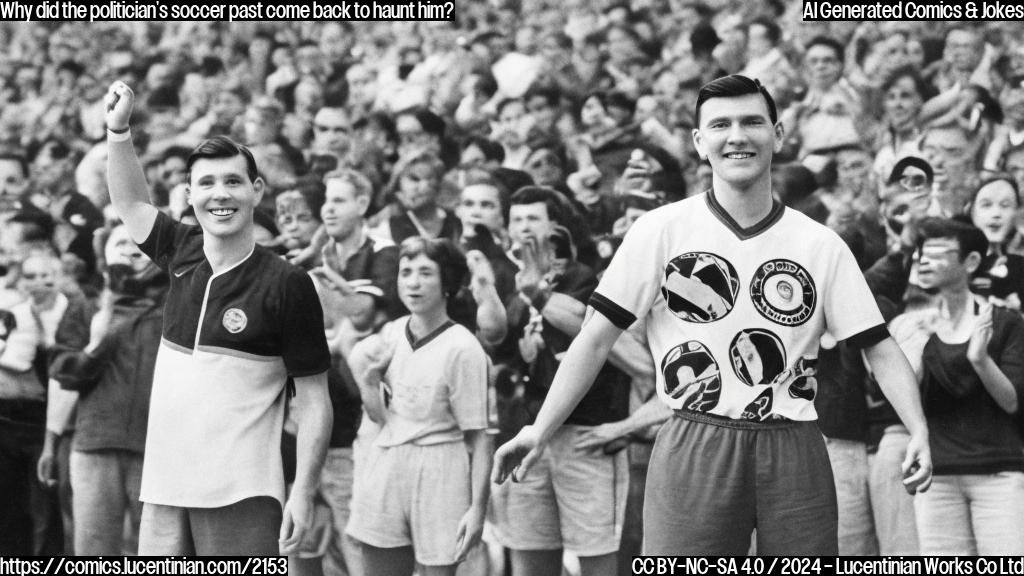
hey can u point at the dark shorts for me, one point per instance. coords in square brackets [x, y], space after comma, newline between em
[712, 481]
[249, 527]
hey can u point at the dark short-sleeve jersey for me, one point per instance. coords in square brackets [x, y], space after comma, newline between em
[230, 341]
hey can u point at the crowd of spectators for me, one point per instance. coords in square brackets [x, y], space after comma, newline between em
[532, 133]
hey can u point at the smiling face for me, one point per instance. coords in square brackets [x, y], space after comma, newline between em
[419, 284]
[994, 210]
[223, 196]
[902, 103]
[737, 137]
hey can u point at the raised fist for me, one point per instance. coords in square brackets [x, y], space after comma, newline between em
[119, 102]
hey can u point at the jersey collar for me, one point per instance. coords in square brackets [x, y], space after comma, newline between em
[740, 232]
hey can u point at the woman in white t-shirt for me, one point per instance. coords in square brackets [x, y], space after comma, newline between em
[423, 489]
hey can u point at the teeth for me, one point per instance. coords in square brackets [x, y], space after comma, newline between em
[738, 155]
[222, 211]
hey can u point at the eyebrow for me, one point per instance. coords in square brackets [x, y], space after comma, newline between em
[740, 118]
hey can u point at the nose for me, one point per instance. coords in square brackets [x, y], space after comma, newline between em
[736, 135]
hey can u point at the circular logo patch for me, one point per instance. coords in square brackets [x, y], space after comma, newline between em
[783, 292]
[700, 287]
[234, 320]
[757, 356]
[692, 373]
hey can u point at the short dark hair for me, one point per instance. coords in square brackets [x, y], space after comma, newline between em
[312, 192]
[906, 71]
[491, 149]
[449, 258]
[968, 237]
[828, 42]
[540, 194]
[549, 92]
[732, 86]
[222, 147]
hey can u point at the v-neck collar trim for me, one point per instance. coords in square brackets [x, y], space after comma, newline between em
[417, 344]
[740, 232]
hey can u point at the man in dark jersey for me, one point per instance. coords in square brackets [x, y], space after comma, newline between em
[240, 322]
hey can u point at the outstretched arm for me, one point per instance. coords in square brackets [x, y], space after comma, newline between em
[583, 360]
[129, 192]
[898, 383]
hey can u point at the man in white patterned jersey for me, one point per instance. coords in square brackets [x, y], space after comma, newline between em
[241, 322]
[743, 451]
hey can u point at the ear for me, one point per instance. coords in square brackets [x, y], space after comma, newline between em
[188, 194]
[363, 203]
[972, 262]
[780, 136]
[259, 187]
[698, 144]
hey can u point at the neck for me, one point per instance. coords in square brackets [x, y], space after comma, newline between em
[424, 323]
[748, 204]
[223, 253]
[349, 244]
[956, 300]
[45, 302]
[425, 213]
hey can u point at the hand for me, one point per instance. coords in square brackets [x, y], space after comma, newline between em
[377, 366]
[46, 469]
[637, 175]
[977, 348]
[481, 273]
[329, 255]
[536, 264]
[917, 465]
[119, 103]
[471, 528]
[297, 517]
[584, 182]
[515, 457]
[598, 437]
[100, 325]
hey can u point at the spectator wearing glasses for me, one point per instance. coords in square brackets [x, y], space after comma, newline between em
[972, 382]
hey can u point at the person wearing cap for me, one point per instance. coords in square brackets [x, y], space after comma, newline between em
[742, 451]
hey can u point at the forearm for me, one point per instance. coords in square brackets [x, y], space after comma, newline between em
[898, 383]
[491, 320]
[997, 384]
[583, 360]
[314, 417]
[630, 356]
[566, 314]
[481, 453]
[652, 412]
